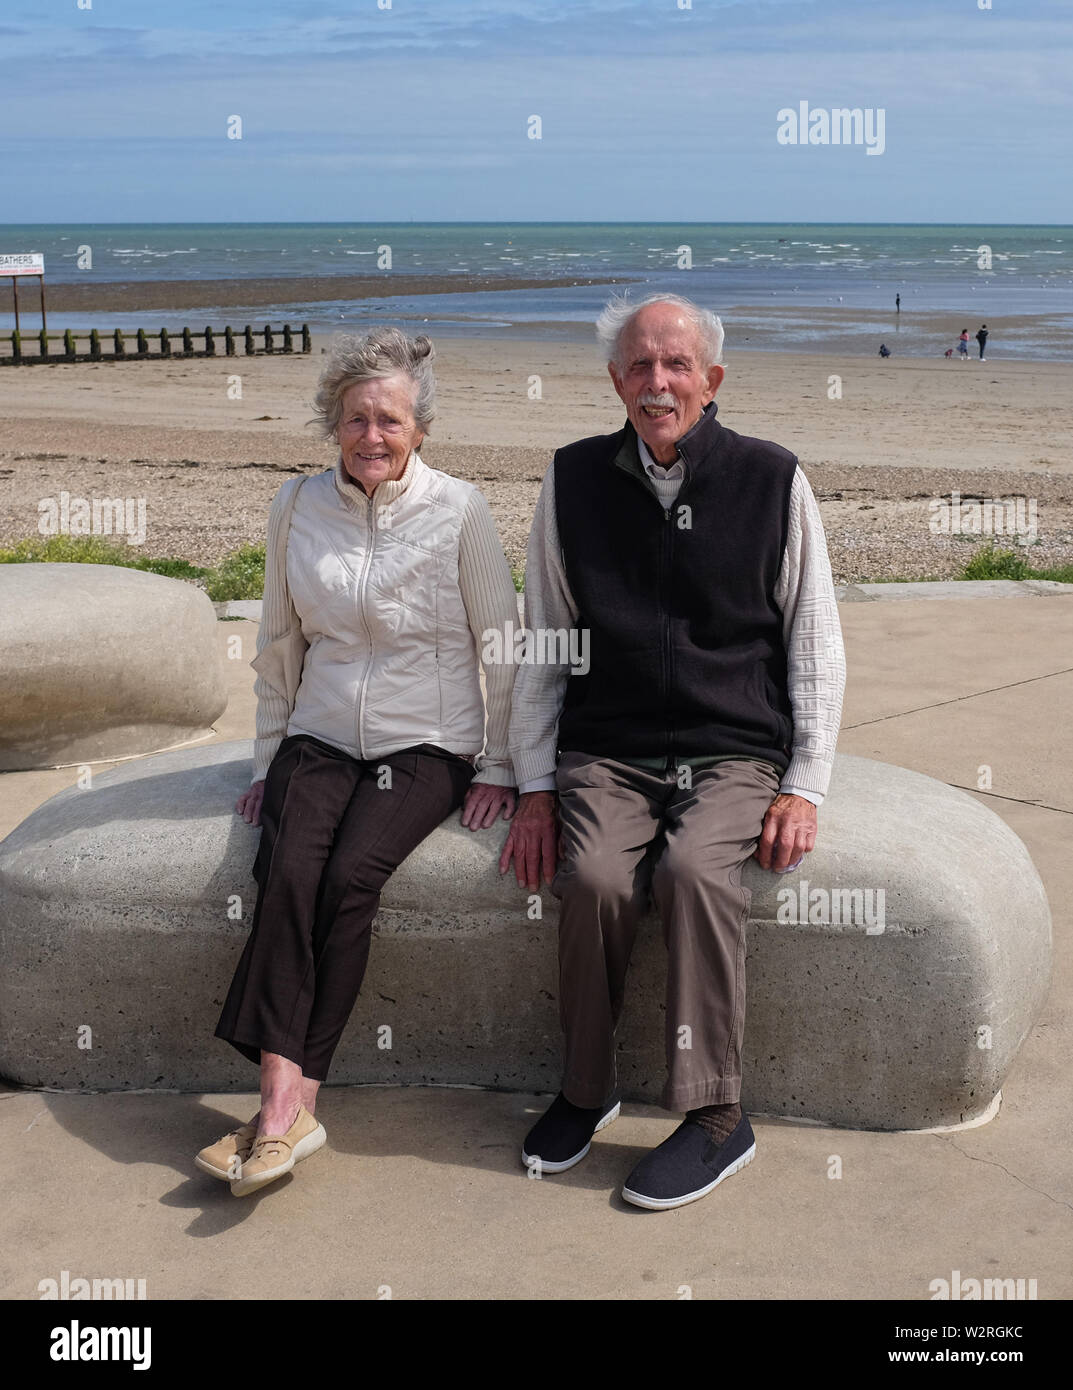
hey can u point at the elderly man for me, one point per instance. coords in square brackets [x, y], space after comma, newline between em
[701, 730]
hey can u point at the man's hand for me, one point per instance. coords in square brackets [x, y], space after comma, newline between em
[483, 804]
[249, 803]
[533, 842]
[789, 833]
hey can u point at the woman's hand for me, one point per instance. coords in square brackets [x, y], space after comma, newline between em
[484, 803]
[249, 803]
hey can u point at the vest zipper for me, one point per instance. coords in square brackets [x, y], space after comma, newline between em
[666, 645]
[667, 542]
[370, 515]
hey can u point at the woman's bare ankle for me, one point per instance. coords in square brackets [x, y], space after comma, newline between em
[277, 1116]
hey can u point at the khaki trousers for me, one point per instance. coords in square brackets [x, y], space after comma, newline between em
[628, 832]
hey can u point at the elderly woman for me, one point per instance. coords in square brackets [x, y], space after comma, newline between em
[381, 576]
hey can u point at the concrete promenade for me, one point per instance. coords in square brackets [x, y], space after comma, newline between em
[422, 1192]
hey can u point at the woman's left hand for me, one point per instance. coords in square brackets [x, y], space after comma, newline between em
[483, 805]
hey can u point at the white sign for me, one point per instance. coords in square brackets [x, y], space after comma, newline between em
[23, 263]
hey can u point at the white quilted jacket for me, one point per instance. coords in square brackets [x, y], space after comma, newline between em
[387, 657]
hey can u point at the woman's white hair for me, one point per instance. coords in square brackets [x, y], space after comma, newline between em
[620, 311]
[383, 352]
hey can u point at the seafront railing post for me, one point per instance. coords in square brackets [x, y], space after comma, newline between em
[288, 341]
[69, 349]
[94, 345]
[165, 343]
[42, 338]
[268, 338]
[250, 349]
[16, 345]
[143, 343]
[210, 343]
[188, 343]
[307, 341]
[120, 347]
[229, 342]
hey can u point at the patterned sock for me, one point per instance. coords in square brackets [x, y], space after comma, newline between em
[719, 1120]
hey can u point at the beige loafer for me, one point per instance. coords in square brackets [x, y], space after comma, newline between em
[274, 1155]
[225, 1158]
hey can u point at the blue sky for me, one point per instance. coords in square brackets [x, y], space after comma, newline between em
[420, 110]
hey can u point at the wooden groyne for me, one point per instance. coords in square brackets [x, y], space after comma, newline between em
[24, 349]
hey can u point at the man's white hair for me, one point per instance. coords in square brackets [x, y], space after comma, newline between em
[620, 311]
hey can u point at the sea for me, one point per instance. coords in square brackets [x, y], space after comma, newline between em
[786, 281]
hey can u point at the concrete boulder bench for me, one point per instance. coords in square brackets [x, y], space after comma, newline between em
[99, 662]
[891, 980]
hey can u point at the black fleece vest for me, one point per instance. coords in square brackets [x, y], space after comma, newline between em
[686, 654]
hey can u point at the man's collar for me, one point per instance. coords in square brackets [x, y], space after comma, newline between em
[697, 442]
[691, 448]
[648, 462]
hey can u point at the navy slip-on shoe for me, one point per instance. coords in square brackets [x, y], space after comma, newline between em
[687, 1165]
[563, 1134]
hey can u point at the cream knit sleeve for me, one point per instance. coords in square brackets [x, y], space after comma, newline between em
[491, 604]
[273, 710]
[816, 659]
[541, 686]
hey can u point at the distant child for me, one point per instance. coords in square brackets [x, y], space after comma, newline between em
[884, 351]
[963, 345]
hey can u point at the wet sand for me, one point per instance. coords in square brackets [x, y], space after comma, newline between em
[137, 295]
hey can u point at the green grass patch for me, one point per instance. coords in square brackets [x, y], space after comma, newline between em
[95, 550]
[989, 563]
[240, 575]
[518, 575]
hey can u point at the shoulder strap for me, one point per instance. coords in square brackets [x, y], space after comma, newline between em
[285, 520]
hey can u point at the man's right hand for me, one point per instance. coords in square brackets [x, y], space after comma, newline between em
[533, 840]
[249, 803]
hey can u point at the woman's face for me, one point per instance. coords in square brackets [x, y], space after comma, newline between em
[377, 431]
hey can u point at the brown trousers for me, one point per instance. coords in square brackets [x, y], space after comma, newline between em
[333, 833]
[627, 832]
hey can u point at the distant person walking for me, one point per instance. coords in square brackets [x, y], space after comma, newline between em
[981, 338]
[898, 303]
[963, 345]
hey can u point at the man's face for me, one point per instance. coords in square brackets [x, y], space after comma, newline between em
[661, 379]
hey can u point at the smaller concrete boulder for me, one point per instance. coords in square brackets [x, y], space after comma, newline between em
[98, 662]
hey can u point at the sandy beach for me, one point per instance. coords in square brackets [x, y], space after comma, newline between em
[904, 432]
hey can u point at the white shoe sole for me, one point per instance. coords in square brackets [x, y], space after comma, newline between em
[666, 1203]
[533, 1160]
[242, 1187]
[213, 1171]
